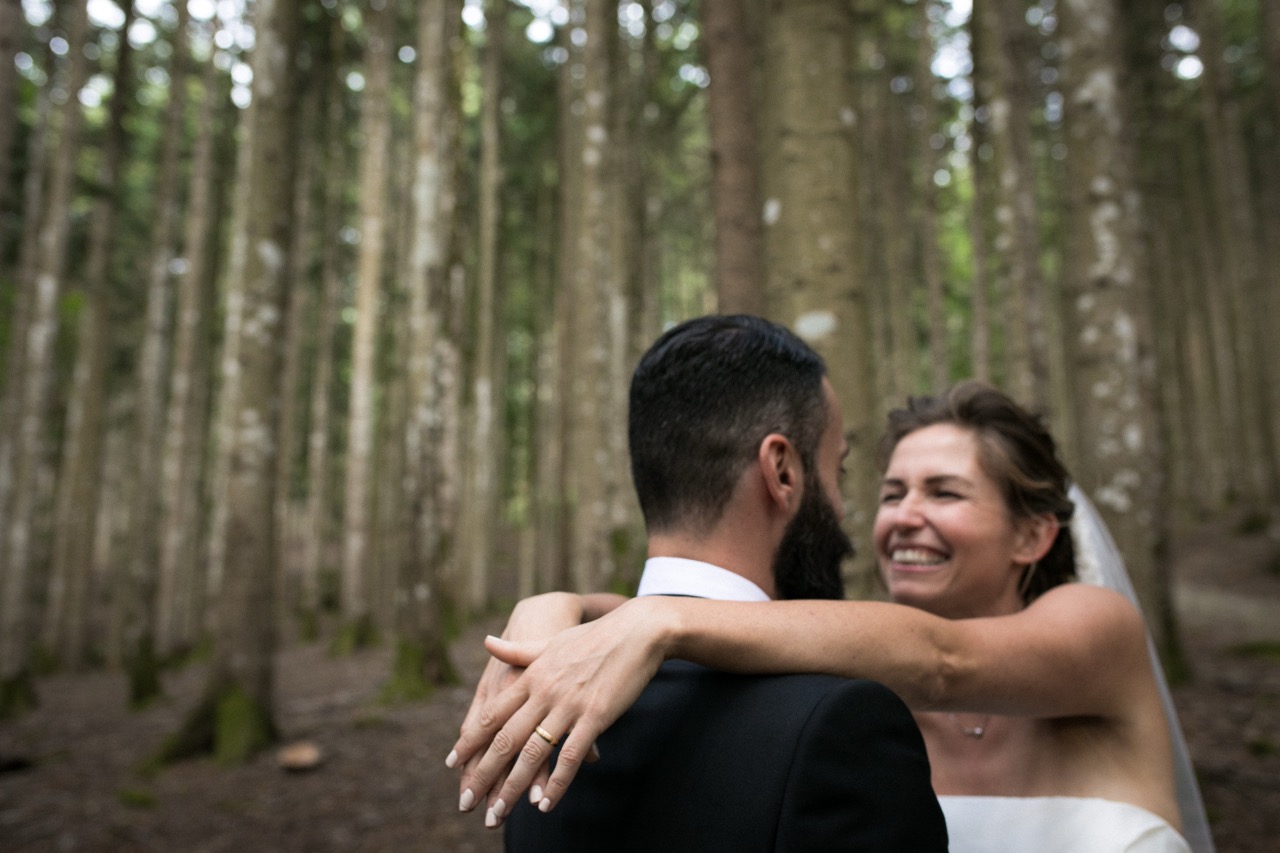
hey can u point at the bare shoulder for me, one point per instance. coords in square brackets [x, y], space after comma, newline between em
[1093, 616]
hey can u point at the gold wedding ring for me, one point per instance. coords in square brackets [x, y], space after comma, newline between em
[544, 734]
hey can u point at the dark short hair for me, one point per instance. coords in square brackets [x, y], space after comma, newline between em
[703, 398]
[1014, 449]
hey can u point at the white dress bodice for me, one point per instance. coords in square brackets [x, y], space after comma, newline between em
[1055, 825]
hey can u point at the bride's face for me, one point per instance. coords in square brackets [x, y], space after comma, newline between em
[945, 540]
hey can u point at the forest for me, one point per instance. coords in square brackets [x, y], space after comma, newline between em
[317, 316]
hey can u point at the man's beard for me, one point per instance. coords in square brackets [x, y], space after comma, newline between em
[807, 563]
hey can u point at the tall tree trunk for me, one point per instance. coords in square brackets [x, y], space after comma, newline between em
[592, 478]
[925, 112]
[554, 505]
[480, 512]
[901, 278]
[80, 474]
[979, 245]
[1108, 291]
[1241, 275]
[142, 556]
[735, 157]
[813, 287]
[234, 719]
[11, 24]
[187, 416]
[302, 318]
[1269, 189]
[421, 654]
[376, 131]
[319, 441]
[31, 416]
[1001, 78]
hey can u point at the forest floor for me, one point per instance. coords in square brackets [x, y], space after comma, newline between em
[69, 776]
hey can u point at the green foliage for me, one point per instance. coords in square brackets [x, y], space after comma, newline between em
[1272, 566]
[1262, 747]
[1264, 650]
[201, 652]
[143, 669]
[356, 635]
[308, 625]
[17, 695]
[138, 798]
[1253, 524]
[44, 660]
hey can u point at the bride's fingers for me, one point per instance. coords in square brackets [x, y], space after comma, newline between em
[531, 763]
[480, 777]
[483, 720]
[579, 746]
[514, 653]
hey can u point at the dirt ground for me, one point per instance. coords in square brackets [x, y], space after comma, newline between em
[68, 778]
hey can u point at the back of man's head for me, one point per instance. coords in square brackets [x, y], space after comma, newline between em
[703, 398]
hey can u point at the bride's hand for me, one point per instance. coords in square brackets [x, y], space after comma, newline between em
[532, 619]
[573, 687]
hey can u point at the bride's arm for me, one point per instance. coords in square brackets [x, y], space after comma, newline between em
[1068, 654]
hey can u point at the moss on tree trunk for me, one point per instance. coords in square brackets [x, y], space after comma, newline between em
[417, 670]
[355, 635]
[143, 668]
[17, 695]
[227, 723]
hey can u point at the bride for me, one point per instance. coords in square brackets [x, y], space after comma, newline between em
[1044, 711]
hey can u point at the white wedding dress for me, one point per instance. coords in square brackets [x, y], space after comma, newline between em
[1055, 825]
[1085, 824]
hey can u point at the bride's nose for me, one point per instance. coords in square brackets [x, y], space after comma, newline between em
[908, 511]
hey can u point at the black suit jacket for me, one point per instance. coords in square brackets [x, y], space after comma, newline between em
[708, 761]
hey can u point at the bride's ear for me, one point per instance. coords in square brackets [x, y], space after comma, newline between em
[1035, 537]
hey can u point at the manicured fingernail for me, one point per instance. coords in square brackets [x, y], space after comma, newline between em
[466, 801]
[494, 815]
[545, 805]
[535, 795]
[499, 809]
[451, 760]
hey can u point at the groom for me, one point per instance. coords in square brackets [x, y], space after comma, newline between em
[736, 447]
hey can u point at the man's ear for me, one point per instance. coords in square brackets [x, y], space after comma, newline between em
[780, 467]
[1035, 537]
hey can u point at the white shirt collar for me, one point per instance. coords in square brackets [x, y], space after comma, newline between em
[678, 576]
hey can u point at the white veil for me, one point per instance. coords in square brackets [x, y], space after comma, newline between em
[1098, 562]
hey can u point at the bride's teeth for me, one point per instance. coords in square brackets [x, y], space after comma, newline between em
[916, 556]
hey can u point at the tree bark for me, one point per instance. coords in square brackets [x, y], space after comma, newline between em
[319, 441]
[1001, 79]
[1236, 239]
[80, 474]
[735, 157]
[375, 125]
[11, 24]
[235, 718]
[480, 512]
[31, 415]
[142, 555]
[421, 653]
[813, 286]
[592, 477]
[1108, 291]
[187, 418]
[927, 127]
